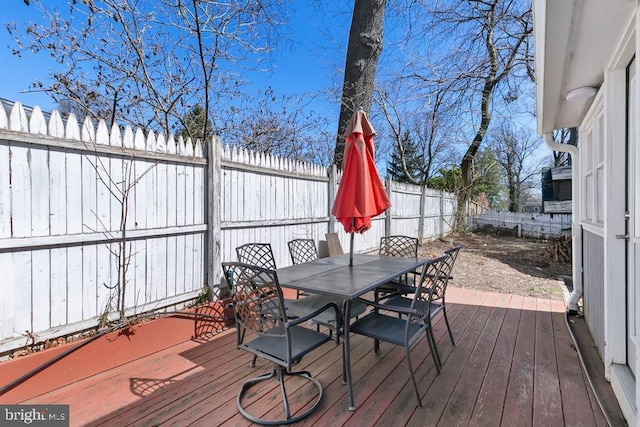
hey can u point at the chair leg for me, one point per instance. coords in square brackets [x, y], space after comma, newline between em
[287, 412]
[241, 338]
[376, 346]
[280, 372]
[446, 321]
[413, 378]
[434, 349]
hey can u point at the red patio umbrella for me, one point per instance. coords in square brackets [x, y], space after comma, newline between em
[361, 194]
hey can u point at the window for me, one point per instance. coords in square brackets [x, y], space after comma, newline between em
[592, 164]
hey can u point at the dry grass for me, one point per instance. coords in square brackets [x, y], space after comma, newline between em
[503, 264]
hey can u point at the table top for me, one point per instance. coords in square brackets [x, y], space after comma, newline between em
[333, 276]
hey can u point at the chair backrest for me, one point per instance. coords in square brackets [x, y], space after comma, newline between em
[453, 255]
[256, 297]
[399, 246]
[431, 285]
[421, 306]
[333, 244]
[302, 250]
[258, 254]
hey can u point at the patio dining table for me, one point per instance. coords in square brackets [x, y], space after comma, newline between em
[333, 276]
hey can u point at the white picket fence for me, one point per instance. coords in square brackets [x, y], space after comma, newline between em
[540, 226]
[62, 186]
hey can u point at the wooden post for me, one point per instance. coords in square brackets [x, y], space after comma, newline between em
[421, 219]
[213, 203]
[441, 225]
[333, 184]
[387, 215]
[520, 227]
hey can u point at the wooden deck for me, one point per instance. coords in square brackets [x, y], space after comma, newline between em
[513, 364]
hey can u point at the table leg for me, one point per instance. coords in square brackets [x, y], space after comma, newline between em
[347, 354]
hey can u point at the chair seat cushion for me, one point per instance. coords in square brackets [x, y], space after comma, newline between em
[303, 340]
[303, 306]
[386, 328]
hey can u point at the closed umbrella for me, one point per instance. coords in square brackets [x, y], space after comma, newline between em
[361, 194]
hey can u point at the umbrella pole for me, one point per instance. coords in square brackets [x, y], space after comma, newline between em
[353, 224]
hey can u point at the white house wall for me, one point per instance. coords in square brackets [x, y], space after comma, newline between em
[602, 192]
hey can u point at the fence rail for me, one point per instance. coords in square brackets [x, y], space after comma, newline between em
[80, 203]
[540, 226]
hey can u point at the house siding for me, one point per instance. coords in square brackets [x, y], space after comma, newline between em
[593, 282]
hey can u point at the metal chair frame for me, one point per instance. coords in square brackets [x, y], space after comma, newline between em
[398, 246]
[438, 300]
[415, 320]
[264, 330]
[259, 254]
[301, 251]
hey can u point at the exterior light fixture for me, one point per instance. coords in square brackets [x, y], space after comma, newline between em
[581, 93]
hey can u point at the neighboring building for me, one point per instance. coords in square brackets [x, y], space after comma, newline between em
[585, 54]
[556, 190]
[532, 206]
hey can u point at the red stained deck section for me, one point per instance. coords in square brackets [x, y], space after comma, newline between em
[513, 364]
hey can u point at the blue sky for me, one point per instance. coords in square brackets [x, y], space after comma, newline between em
[305, 64]
[308, 63]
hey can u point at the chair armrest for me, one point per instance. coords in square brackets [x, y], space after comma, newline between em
[392, 308]
[309, 316]
[431, 276]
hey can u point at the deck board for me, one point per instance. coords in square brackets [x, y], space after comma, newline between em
[513, 364]
[460, 406]
[487, 410]
[518, 404]
[547, 402]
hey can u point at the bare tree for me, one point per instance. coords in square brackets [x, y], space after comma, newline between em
[151, 62]
[279, 125]
[363, 52]
[514, 150]
[483, 48]
[427, 127]
[564, 136]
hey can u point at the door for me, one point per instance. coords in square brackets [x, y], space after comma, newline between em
[632, 207]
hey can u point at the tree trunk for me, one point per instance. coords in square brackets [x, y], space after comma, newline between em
[466, 166]
[365, 46]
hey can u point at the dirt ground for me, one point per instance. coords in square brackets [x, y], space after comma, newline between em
[503, 264]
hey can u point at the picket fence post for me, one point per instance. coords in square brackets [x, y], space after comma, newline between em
[421, 220]
[333, 184]
[441, 230]
[214, 213]
[387, 215]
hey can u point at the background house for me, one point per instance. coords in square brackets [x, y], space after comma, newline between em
[586, 76]
[556, 190]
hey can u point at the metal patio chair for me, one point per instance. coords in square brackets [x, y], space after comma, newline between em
[301, 251]
[438, 302]
[398, 246]
[264, 330]
[259, 254]
[405, 331]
